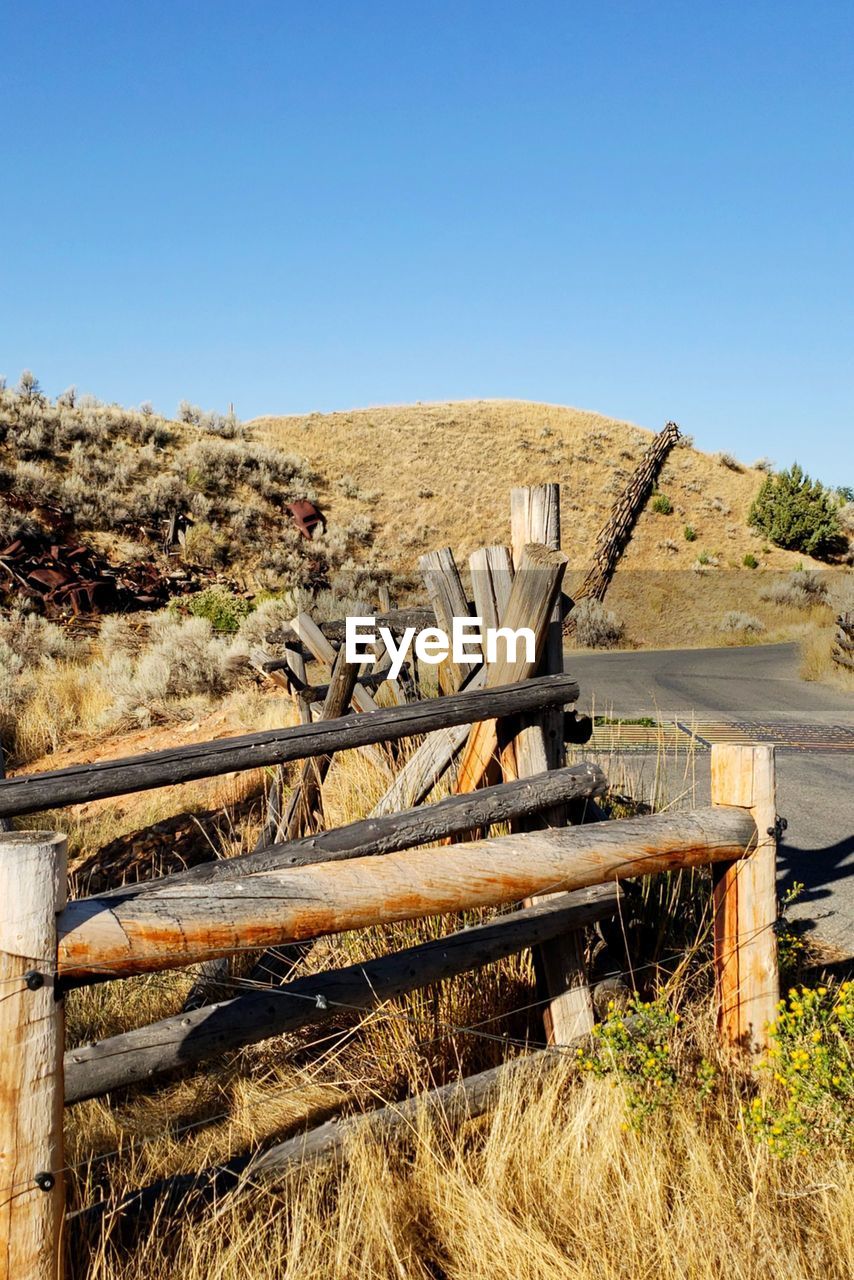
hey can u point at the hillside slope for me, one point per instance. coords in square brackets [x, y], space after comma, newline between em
[429, 475]
[435, 474]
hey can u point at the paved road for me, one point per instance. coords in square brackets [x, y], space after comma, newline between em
[756, 686]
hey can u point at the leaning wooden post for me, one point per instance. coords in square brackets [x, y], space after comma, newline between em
[538, 744]
[32, 1193]
[748, 982]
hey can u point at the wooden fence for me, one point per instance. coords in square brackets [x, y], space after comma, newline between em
[507, 728]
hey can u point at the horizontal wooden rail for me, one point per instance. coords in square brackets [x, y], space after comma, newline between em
[189, 923]
[424, 824]
[186, 1039]
[31, 793]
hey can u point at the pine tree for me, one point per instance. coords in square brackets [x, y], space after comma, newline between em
[797, 513]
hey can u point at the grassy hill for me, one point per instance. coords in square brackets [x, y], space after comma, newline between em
[435, 474]
[429, 475]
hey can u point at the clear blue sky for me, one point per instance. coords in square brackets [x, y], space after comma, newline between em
[643, 208]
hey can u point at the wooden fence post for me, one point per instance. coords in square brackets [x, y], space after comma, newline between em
[538, 744]
[32, 1193]
[748, 982]
[445, 592]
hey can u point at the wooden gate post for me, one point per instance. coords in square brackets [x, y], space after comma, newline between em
[32, 1034]
[748, 983]
[538, 744]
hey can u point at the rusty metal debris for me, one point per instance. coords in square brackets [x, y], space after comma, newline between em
[67, 577]
[305, 516]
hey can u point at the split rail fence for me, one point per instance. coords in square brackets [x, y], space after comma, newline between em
[505, 724]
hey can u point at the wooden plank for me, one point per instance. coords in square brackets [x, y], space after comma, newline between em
[491, 579]
[304, 809]
[314, 639]
[535, 590]
[32, 891]
[179, 1042]
[746, 900]
[28, 793]
[445, 592]
[189, 923]
[428, 764]
[534, 517]
[424, 824]
[538, 744]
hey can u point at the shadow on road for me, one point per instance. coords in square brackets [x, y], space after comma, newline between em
[816, 868]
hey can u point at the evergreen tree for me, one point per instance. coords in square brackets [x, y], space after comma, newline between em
[797, 513]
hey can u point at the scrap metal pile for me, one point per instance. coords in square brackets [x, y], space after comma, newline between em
[63, 578]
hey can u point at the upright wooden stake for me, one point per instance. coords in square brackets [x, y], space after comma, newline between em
[32, 1194]
[445, 591]
[537, 745]
[305, 805]
[746, 900]
[535, 590]
[491, 581]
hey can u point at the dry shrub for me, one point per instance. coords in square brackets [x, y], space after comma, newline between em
[184, 660]
[595, 626]
[743, 623]
[800, 590]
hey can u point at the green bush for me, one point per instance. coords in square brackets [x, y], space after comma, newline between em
[224, 611]
[662, 505]
[797, 513]
[750, 561]
[690, 533]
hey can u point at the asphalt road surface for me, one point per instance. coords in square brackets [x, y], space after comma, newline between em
[754, 693]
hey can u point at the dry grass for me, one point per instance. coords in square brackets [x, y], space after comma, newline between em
[440, 474]
[553, 1183]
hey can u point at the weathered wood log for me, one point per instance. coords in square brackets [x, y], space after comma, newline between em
[748, 981]
[180, 1041]
[428, 764]
[452, 1104]
[843, 649]
[28, 793]
[424, 824]
[317, 692]
[538, 744]
[189, 923]
[32, 1199]
[445, 593]
[322, 651]
[304, 807]
[535, 518]
[434, 757]
[396, 620]
[532, 599]
[491, 579]
[314, 639]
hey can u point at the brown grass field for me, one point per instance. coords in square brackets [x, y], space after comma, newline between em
[559, 1179]
[432, 475]
[562, 1179]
